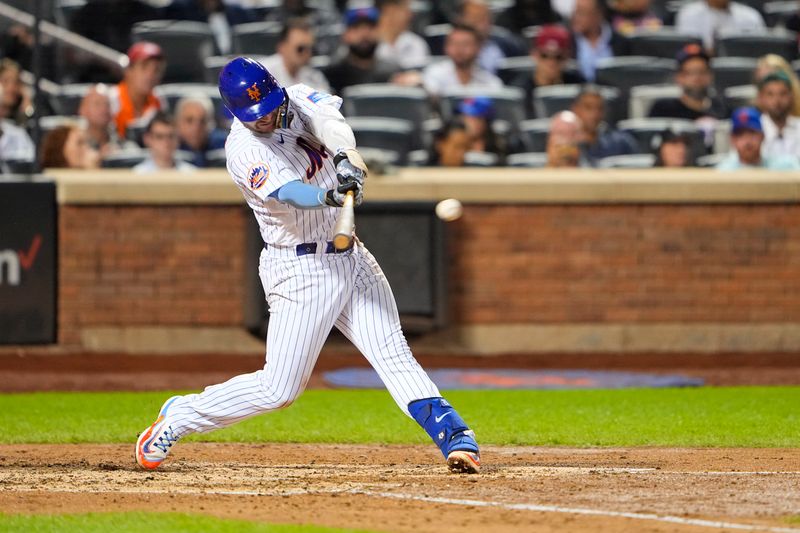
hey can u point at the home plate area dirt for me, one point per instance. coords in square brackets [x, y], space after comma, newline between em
[408, 489]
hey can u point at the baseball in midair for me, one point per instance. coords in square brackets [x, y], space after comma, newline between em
[449, 210]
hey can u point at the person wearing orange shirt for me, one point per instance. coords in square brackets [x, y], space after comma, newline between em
[133, 100]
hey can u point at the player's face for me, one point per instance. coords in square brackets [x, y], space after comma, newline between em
[266, 124]
[748, 146]
[776, 99]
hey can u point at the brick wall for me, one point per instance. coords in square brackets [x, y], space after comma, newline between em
[627, 264]
[142, 265]
[177, 265]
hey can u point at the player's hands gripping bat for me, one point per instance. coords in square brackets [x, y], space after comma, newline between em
[351, 172]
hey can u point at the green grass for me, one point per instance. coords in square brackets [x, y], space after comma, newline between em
[724, 416]
[138, 522]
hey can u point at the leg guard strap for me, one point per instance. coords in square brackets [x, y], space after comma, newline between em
[447, 429]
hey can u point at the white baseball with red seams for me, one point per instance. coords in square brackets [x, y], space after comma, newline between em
[308, 294]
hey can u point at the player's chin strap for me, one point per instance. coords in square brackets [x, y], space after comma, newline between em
[283, 118]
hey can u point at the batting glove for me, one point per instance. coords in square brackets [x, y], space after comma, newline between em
[335, 197]
[350, 166]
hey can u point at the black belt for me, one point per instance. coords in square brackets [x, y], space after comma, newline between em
[311, 248]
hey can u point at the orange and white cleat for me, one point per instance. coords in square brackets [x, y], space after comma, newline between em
[464, 462]
[154, 443]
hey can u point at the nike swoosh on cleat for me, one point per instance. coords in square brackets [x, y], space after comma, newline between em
[440, 418]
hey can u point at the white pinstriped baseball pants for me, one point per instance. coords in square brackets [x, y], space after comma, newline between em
[307, 296]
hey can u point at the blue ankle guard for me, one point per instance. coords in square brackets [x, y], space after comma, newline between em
[447, 429]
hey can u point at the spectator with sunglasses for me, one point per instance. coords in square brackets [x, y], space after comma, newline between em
[161, 141]
[290, 65]
[551, 50]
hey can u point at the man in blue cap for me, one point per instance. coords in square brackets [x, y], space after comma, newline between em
[294, 158]
[747, 138]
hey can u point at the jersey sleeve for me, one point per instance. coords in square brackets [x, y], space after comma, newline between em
[319, 113]
[258, 172]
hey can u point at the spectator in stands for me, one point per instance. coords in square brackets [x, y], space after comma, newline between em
[194, 123]
[17, 104]
[290, 64]
[747, 138]
[451, 144]
[527, 13]
[781, 129]
[67, 147]
[564, 142]
[496, 43]
[674, 150]
[600, 139]
[133, 98]
[705, 18]
[15, 143]
[627, 16]
[95, 109]
[478, 115]
[774, 63]
[550, 52]
[219, 15]
[360, 65]
[460, 70]
[162, 143]
[398, 44]
[594, 37]
[697, 101]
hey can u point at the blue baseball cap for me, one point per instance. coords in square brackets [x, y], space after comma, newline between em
[478, 106]
[361, 14]
[746, 118]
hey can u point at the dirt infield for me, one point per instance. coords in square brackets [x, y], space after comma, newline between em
[407, 489]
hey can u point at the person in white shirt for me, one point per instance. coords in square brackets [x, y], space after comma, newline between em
[460, 70]
[781, 129]
[398, 44]
[161, 140]
[705, 18]
[290, 64]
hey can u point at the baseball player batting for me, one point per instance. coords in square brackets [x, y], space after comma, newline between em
[294, 158]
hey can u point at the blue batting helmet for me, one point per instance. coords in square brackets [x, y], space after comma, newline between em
[249, 91]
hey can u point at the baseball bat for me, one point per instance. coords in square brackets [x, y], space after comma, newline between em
[345, 224]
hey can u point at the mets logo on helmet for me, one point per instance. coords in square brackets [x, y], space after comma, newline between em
[257, 175]
[254, 92]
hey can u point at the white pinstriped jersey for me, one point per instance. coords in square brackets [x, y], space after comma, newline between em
[261, 164]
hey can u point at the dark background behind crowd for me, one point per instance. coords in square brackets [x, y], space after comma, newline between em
[527, 83]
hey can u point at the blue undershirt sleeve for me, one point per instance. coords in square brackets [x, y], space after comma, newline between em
[301, 195]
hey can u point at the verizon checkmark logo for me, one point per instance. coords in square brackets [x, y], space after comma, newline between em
[12, 262]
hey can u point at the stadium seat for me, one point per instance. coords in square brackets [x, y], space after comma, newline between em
[216, 158]
[777, 13]
[534, 133]
[666, 42]
[185, 44]
[732, 71]
[435, 35]
[173, 92]
[68, 99]
[642, 98]
[646, 131]
[508, 103]
[629, 71]
[551, 99]
[481, 159]
[390, 134]
[512, 67]
[213, 66]
[628, 161]
[739, 96]
[258, 38]
[124, 159]
[710, 161]
[17, 166]
[527, 159]
[387, 100]
[52, 122]
[756, 44]
[328, 40]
